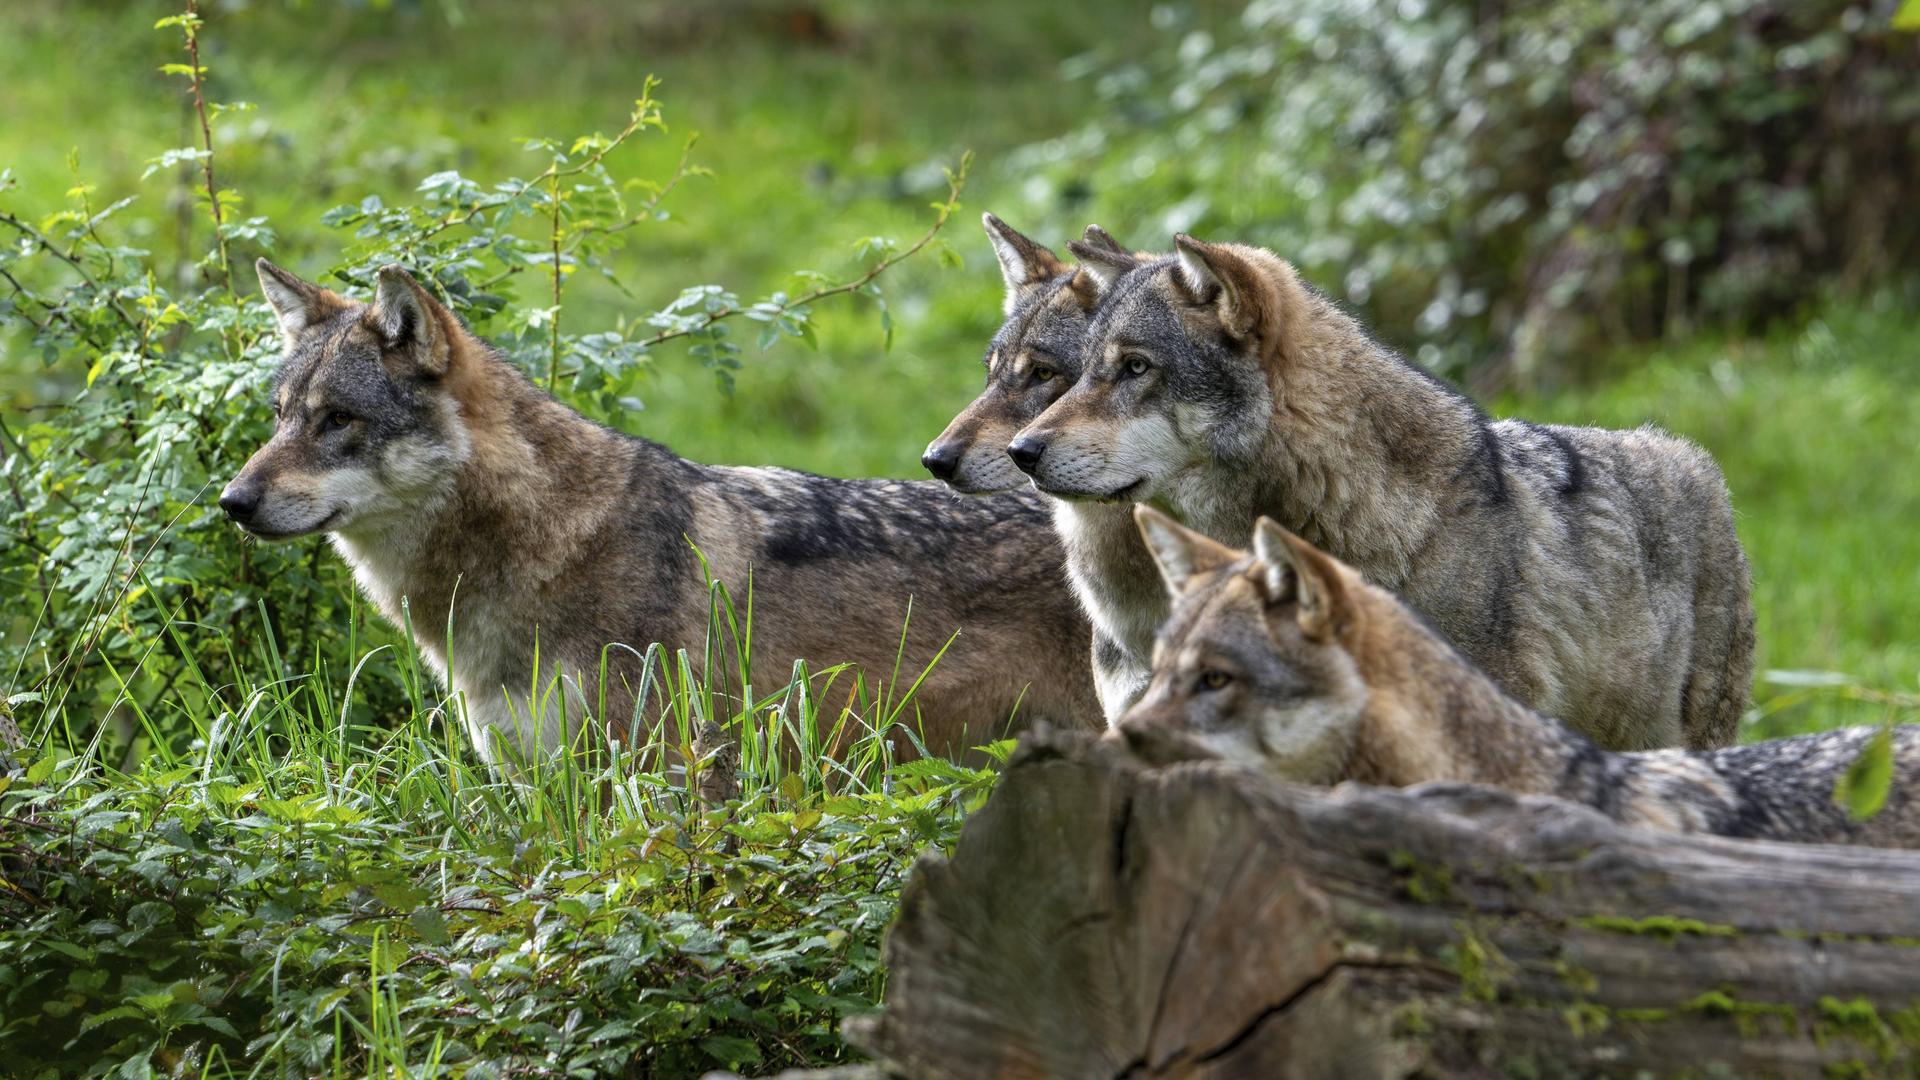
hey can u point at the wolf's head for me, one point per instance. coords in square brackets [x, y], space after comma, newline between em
[1256, 661]
[1032, 359]
[1180, 360]
[366, 429]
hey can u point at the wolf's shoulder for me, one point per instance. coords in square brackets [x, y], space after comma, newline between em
[803, 517]
[775, 487]
[1574, 459]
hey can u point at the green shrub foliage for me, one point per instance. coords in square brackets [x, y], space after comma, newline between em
[403, 917]
[1526, 180]
[124, 588]
[244, 836]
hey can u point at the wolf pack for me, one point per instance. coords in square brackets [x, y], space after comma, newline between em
[1196, 506]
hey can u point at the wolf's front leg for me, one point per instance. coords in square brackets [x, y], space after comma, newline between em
[1118, 677]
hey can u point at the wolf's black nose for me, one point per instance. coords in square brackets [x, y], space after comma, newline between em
[240, 499]
[941, 459]
[1026, 451]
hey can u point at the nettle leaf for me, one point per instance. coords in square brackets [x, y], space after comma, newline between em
[430, 924]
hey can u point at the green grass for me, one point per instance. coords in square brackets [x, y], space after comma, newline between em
[298, 893]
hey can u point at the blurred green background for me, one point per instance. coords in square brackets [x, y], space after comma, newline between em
[1700, 250]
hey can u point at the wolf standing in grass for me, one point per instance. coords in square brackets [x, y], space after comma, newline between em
[1288, 660]
[1594, 574]
[460, 494]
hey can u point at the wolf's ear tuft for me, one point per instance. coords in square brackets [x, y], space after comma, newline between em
[1023, 262]
[1292, 569]
[1215, 275]
[1102, 264]
[1180, 552]
[296, 304]
[403, 315]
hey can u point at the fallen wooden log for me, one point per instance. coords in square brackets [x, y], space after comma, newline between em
[1102, 919]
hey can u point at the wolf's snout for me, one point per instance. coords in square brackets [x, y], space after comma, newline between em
[941, 459]
[241, 499]
[1026, 451]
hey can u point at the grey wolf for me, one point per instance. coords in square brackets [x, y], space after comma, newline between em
[462, 495]
[1595, 574]
[1289, 660]
[1031, 361]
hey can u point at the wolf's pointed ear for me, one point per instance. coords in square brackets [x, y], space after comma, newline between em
[1102, 263]
[1180, 552]
[1095, 236]
[405, 317]
[1214, 274]
[1023, 261]
[1292, 569]
[296, 304]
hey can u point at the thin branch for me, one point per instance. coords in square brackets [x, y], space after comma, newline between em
[645, 111]
[681, 169]
[46, 243]
[21, 291]
[553, 323]
[192, 27]
[955, 181]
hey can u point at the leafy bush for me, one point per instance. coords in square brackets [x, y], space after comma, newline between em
[1540, 176]
[378, 908]
[244, 836]
[129, 600]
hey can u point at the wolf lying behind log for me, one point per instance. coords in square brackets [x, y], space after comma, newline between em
[1287, 659]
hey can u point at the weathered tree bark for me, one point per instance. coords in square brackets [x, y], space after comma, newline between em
[1099, 918]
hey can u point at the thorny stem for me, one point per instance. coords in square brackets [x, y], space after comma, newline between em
[192, 28]
[955, 181]
[553, 322]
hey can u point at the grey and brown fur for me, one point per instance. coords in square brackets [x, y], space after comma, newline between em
[1289, 660]
[1031, 361]
[440, 471]
[1595, 574]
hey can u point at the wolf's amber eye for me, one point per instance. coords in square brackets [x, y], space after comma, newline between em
[1043, 374]
[1214, 680]
[337, 420]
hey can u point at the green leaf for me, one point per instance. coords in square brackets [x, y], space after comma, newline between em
[430, 925]
[731, 1049]
[120, 1013]
[1908, 16]
[1864, 786]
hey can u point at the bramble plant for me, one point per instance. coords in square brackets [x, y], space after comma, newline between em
[244, 835]
[108, 533]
